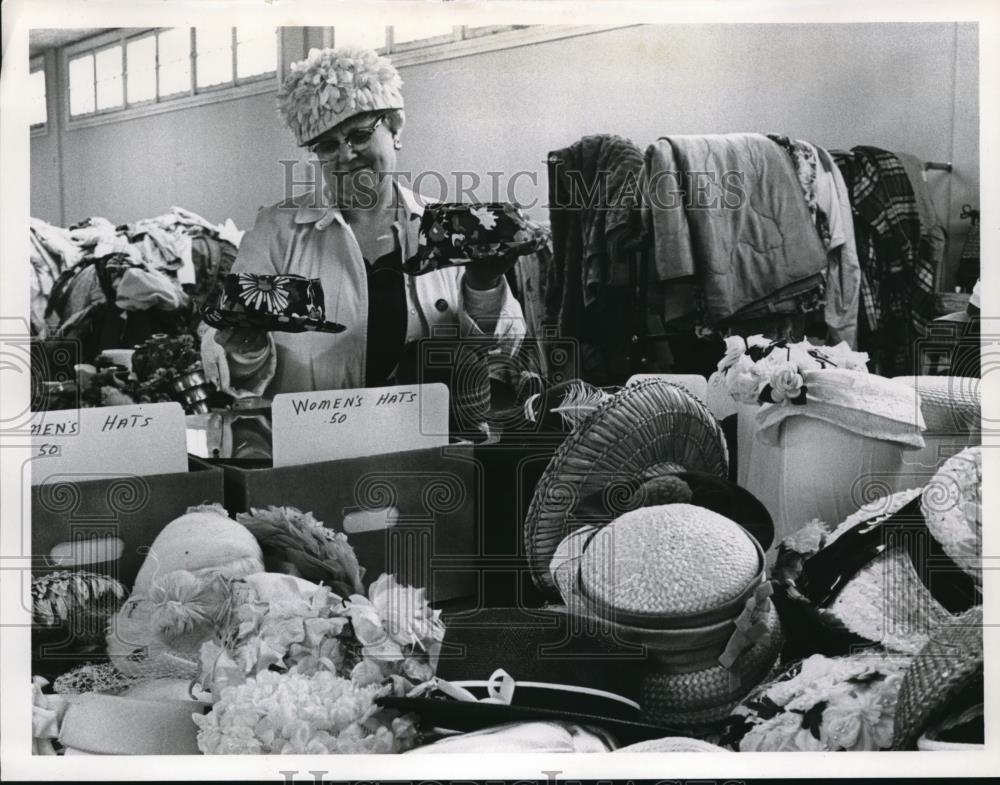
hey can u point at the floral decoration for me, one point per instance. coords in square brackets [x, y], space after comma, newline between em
[294, 713]
[264, 293]
[827, 704]
[282, 637]
[760, 371]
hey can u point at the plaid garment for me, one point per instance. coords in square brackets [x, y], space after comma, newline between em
[897, 287]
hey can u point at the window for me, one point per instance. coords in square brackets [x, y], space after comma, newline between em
[421, 34]
[214, 53]
[38, 116]
[256, 51]
[108, 75]
[140, 69]
[173, 62]
[122, 71]
[81, 85]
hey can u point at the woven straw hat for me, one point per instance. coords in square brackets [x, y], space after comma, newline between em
[673, 744]
[333, 85]
[859, 581]
[946, 675]
[688, 585]
[862, 403]
[649, 427]
[949, 404]
[952, 505]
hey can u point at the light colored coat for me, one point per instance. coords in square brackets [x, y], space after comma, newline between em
[296, 238]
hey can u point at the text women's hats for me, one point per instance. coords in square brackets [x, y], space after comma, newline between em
[458, 234]
[333, 85]
[278, 303]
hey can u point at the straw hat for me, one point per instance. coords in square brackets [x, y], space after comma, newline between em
[862, 403]
[949, 404]
[859, 584]
[649, 428]
[946, 675]
[333, 85]
[688, 585]
[673, 744]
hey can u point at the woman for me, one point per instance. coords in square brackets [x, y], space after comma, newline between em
[345, 105]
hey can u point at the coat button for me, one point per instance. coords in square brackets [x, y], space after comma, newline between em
[441, 305]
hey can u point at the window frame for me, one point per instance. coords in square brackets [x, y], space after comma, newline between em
[36, 64]
[467, 41]
[238, 87]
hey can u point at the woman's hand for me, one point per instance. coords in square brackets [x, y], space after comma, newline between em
[488, 273]
[242, 340]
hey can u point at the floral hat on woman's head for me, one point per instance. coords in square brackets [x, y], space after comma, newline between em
[333, 85]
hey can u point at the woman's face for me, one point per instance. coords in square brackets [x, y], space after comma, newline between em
[356, 156]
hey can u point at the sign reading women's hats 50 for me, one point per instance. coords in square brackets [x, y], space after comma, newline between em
[335, 424]
[131, 440]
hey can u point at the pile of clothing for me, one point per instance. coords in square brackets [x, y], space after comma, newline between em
[741, 233]
[111, 287]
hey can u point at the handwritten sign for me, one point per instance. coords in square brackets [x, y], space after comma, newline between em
[335, 424]
[138, 440]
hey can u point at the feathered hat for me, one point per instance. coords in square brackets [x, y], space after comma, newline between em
[333, 85]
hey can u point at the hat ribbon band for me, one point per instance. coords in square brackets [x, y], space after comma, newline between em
[751, 626]
[500, 688]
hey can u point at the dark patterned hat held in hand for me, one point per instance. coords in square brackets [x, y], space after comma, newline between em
[459, 234]
[279, 303]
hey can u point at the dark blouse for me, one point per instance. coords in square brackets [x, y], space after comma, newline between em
[386, 317]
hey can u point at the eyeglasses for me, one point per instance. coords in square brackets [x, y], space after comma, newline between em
[357, 139]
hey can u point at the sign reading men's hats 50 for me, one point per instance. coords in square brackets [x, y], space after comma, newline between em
[137, 440]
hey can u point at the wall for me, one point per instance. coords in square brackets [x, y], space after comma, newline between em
[905, 87]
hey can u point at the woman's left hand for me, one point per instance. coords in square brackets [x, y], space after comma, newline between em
[488, 273]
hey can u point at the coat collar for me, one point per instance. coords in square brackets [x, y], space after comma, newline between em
[324, 216]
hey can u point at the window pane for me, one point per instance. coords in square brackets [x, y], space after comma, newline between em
[256, 51]
[416, 31]
[214, 52]
[361, 35]
[37, 87]
[175, 60]
[81, 85]
[140, 69]
[108, 64]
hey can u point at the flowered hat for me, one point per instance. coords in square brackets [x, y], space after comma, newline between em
[688, 586]
[333, 85]
[455, 234]
[281, 303]
[891, 573]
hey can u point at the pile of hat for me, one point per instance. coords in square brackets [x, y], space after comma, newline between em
[639, 532]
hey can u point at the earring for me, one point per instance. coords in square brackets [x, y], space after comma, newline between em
[397, 144]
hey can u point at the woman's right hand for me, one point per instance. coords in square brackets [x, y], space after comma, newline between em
[242, 340]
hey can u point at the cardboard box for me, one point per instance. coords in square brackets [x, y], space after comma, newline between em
[413, 514]
[131, 508]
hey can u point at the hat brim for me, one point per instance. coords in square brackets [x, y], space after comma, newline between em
[268, 322]
[647, 424]
[468, 716]
[718, 494]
